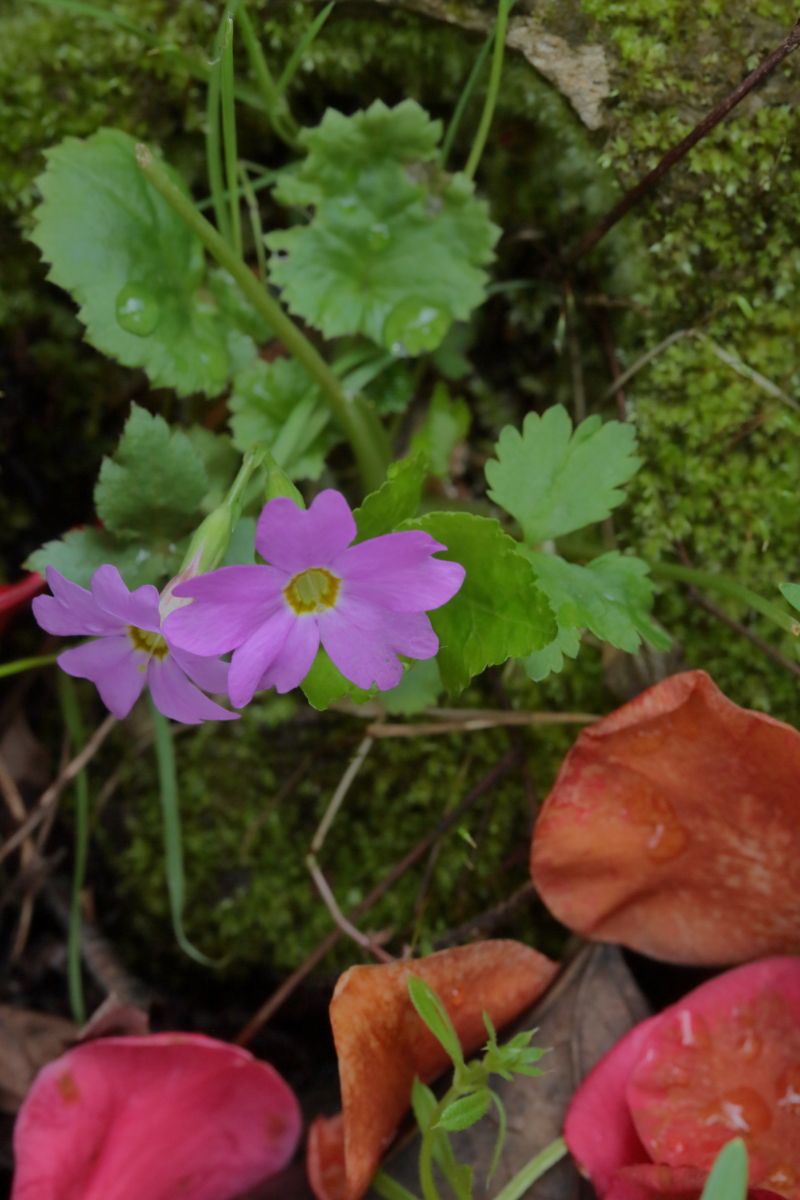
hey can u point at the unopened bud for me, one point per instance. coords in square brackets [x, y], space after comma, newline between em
[210, 541]
[279, 484]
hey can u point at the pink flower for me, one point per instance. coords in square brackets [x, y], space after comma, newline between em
[153, 1118]
[130, 649]
[366, 604]
[724, 1062]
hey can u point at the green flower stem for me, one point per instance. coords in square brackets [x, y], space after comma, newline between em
[712, 582]
[71, 715]
[274, 101]
[389, 1188]
[493, 89]
[533, 1170]
[26, 664]
[465, 97]
[350, 414]
[254, 460]
[426, 1153]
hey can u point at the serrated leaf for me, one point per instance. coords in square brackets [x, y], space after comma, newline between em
[499, 613]
[324, 685]
[446, 423]
[550, 660]
[81, 551]
[419, 688]
[466, 1111]
[554, 480]
[728, 1177]
[153, 484]
[136, 271]
[277, 404]
[395, 500]
[395, 248]
[791, 592]
[611, 597]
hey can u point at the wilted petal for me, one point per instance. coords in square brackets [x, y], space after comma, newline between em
[293, 661]
[114, 667]
[382, 1044]
[153, 1118]
[396, 572]
[294, 538]
[71, 611]
[253, 658]
[230, 605]
[672, 828]
[139, 607]
[325, 1158]
[177, 698]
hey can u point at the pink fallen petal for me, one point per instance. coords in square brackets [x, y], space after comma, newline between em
[161, 1117]
[672, 828]
[325, 1158]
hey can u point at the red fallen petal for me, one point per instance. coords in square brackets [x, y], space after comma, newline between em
[153, 1117]
[325, 1158]
[723, 1062]
[382, 1043]
[598, 1127]
[651, 1181]
[14, 596]
[672, 828]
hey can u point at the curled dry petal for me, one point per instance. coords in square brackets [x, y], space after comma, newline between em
[724, 1062]
[672, 828]
[382, 1044]
[156, 1117]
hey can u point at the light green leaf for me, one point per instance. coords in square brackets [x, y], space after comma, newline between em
[81, 551]
[131, 264]
[446, 423]
[153, 485]
[554, 481]
[395, 248]
[419, 688]
[395, 500]
[466, 1111]
[278, 405]
[550, 660]
[499, 612]
[791, 592]
[324, 685]
[433, 1012]
[728, 1177]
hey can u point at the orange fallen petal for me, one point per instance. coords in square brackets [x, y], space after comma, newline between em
[672, 828]
[382, 1044]
[325, 1158]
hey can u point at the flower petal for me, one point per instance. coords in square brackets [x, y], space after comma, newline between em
[252, 659]
[175, 697]
[295, 539]
[71, 611]
[325, 1158]
[229, 606]
[363, 641]
[210, 674]
[396, 572]
[139, 607]
[376, 1073]
[293, 661]
[672, 828]
[159, 1117]
[114, 667]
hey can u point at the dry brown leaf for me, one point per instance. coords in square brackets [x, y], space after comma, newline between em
[28, 1041]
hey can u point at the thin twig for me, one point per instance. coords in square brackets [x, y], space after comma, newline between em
[485, 719]
[28, 857]
[762, 644]
[288, 987]
[50, 796]
[679, 151]
[488, 921]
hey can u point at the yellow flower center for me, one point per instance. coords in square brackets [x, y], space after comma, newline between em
[313, 590]
[150, 643]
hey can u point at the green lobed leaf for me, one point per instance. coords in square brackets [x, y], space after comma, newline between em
[395, 248]
[500, 611]
[728, 1177]
[324, 685]
[550, 660]
[791, 592]
[136, 271]
[432, 1011]
[395, 500]
[81, 551]
[611, 597]
[153, 485]
[278, 405]
[554, 480]
[446, 423]
[466, 1111]
[419, 688]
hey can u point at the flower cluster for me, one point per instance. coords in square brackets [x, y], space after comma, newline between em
[365, 604]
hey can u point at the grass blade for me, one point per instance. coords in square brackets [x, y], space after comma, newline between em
[306, 41]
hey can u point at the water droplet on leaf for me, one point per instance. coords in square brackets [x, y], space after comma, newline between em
[414, 326]
[137, 310]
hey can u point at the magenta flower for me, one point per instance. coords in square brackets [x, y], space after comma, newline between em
[366, 604]
[153, 1118]
[130, 649]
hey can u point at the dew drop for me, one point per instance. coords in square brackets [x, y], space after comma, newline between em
[688, 1031]
[137, 310]
[663, 835]
[782, 1177]
[414, 326]
[666, 841]
[788, 1088]
[742, 1110]
[748, 1045]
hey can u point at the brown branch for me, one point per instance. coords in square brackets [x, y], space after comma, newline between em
[679, 151]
